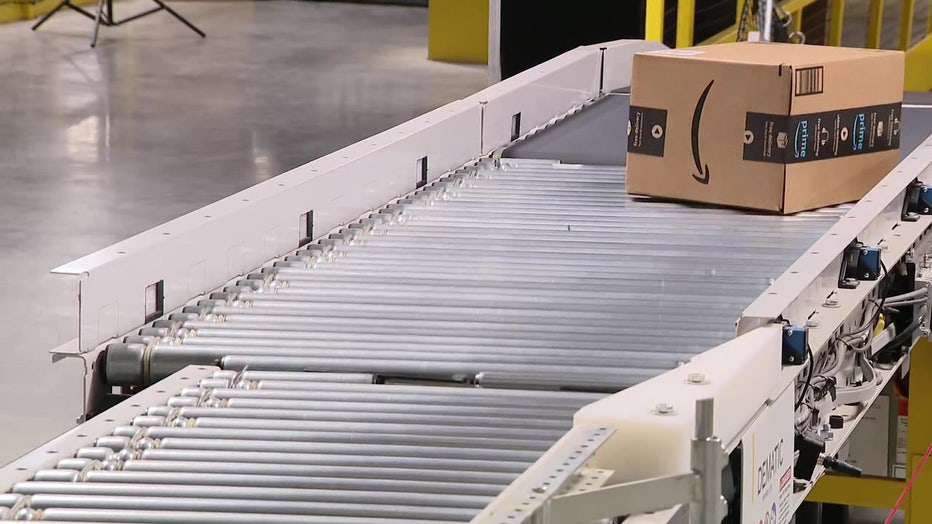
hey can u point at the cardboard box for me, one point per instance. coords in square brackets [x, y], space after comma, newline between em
[777, 127]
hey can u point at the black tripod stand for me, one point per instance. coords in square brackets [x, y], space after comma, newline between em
[104, 16]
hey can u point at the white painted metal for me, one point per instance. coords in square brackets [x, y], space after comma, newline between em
[241, 232]
[495, 41]
[538, 95]
[651, 442]
[218, 242]
[548, 477]
[616, 73]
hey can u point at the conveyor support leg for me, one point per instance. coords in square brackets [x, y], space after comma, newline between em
[918, 503]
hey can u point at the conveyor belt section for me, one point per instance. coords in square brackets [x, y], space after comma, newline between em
[530, 274]
[270, 447]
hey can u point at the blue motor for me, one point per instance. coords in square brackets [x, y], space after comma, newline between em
[795, 342]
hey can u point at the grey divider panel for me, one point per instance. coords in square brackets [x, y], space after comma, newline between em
[539, 94]
[618, 56]
[917, 125]
[918, 97]
[594, 135]
[204, 249]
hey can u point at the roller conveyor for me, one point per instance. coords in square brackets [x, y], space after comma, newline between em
[533, 272]
[530, 275]
[426, 362]
[274, 447]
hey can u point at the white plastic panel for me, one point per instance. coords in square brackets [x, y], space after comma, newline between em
[539, 94]
[204, 249]
[618, 59]
[740, 375]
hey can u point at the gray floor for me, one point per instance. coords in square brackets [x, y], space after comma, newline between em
[100, 144]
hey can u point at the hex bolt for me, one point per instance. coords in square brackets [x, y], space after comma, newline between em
[663, 408]
[831, 302]
[813, 323]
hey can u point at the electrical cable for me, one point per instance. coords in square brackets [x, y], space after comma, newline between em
[807, 385]
[911, 302]
[905, 334]
[918, 293]
[868, 327]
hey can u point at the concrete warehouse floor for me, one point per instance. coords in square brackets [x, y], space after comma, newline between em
[100, 144]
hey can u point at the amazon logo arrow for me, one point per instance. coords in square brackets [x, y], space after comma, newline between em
[703, 176]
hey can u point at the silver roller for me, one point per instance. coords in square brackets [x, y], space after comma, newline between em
[369, 438]
[260, 506]
[447, 419]
[460, 474]
[111, 515]
[373, 427]
[362, 483]
[333, 459]
[251, 493]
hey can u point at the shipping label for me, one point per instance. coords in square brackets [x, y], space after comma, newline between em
[647, 130]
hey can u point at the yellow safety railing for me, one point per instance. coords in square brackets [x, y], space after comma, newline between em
[918, 56]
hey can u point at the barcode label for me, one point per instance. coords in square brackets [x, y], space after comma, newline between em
[809, 81]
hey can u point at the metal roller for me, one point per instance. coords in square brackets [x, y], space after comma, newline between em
[253, 494]
[376, 427]
[260, 506]
[368, 438]
[204, 517]
[335, 416]
[461, 476]
[363, 483]
[361, 460]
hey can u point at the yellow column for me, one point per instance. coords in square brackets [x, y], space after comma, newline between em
[874, 23]
[458, 31]
[653, 26]
[929, 27]
[796, 25]
[13, 11]
[836, 22]
[685, 22]
[873, 492]
[918, 503]
[906, 23]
